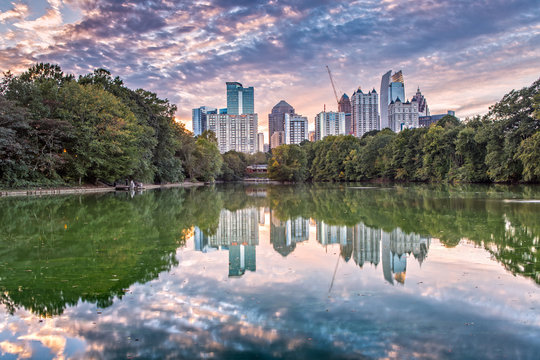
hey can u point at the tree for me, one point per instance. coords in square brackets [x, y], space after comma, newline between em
[529, 155]
[207, 159]
[108, 138]
[288, 163]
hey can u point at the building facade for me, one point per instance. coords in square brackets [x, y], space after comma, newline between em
[344, 106]
[235, 132]
[403, 115]
[365, 112]
[296, 129]
[276, 119]
[260, 142]
[278, 138]
[423, 109]
[199, 119]
[329, 123]
[426, 121]
[385, 83]
[240, 100]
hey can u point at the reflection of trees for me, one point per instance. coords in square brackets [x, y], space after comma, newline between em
[509, 230]
[55, 251]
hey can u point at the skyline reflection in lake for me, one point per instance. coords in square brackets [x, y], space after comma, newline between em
[272, 272]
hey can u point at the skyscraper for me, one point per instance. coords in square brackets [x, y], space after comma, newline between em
[423, 109]
[364, 112]
[296, 129]
[344, 106]
[240, 100]
[260, 142]
[392, 88]
[199, 119]
[385, 83]
[235, 132]
[329, 123]
[276, 119]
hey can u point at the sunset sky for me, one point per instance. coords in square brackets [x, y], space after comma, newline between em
[465, 55]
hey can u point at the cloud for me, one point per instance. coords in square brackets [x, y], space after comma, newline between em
[185, 51]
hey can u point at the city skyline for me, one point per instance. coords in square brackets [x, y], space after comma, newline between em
[463, 55]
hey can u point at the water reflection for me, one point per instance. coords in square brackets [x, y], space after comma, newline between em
[218, 272]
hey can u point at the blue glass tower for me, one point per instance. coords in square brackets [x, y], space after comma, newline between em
[240, 100]
[199, 120]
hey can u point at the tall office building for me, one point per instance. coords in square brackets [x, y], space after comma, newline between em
[329, 123]
[344, 106]
[260, 142]
[240, 100]
[278, 138]
[397, 87]
[423, 109]
[365, 112]
[403, 115]
[235, 132]
[199, 119]
[276, 119]
[296, 129]
[385, 83]
[392, 88]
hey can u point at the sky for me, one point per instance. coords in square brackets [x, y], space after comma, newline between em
[464, 55]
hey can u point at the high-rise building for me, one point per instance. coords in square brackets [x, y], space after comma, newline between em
[276, 119]
[385, 83]
[403, 115]
[392, 88]
[235, 132]
[296, 129]
[240, 100]
[344, 106]
[365, 112]
[423, 109]
[278, 138]
[199, 119]
[260, 142]
[311, 136]
[396, 89]
[329, 123]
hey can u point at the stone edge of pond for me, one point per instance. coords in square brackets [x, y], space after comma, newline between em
[83, 190]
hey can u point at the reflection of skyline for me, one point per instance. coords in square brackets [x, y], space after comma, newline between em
[365, 243]
[285, 234]
[238, 233]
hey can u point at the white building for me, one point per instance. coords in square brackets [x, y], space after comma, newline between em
[260, 142]
[403, 115]
[329, 123]
[235, 132]
[364, 112]
[296, 129]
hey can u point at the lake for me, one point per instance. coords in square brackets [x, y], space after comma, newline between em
[327, 271]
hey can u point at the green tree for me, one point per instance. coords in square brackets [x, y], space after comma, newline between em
[108, 137]
[207, 159]
[288, 163]
[529, 155]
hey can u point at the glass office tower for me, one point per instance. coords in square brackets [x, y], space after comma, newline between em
[240, 100]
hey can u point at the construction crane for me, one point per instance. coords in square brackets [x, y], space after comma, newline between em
[333, 85]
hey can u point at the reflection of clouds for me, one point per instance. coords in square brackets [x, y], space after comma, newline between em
[23, 351]
[284, 307]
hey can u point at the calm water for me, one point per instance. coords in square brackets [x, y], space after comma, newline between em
[312, 272]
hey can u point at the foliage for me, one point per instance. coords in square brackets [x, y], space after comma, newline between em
[288, 163]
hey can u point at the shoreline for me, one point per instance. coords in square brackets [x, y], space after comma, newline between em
[87, 190]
